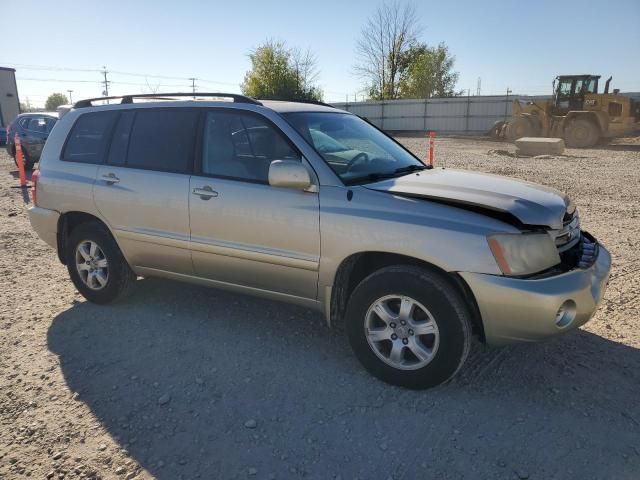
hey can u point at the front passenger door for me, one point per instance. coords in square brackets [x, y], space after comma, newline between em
[244, 231]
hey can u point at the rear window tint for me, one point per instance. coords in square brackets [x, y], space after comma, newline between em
[163, 140]
[120, 141]
[88, 138]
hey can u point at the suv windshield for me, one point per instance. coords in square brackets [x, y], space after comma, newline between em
[355, 151]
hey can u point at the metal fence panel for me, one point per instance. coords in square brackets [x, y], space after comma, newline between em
[459, 115]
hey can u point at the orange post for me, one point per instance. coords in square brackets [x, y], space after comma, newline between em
[432, 137]
[20, 161]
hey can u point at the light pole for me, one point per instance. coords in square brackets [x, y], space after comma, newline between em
[70, 97]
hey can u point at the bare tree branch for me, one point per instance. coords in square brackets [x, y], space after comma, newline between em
[386, 35]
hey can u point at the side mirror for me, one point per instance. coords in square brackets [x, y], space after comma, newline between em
[289, 174]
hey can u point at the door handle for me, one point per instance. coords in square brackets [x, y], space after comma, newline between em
[110, 178]
[205, 193]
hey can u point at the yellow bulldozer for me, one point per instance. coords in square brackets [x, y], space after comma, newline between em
[577, 113]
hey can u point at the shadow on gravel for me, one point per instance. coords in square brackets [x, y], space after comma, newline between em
[621, 147]
[25, 190]
[199, 383]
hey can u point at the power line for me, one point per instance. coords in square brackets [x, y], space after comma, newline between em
[113, 72]
[30, 79]
[26, 66]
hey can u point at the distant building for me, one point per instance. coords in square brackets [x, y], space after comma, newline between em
[9, 102]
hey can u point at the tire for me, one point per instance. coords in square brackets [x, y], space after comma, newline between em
[435, 301]
[519, 127]
[117, 276]
[581, 133]
[28, 164]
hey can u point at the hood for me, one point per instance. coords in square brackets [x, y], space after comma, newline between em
[529, 203]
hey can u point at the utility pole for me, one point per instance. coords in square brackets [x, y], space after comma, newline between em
[506, 104]
[105, 92]
[70, 97]
[479, 86]
[193, 86]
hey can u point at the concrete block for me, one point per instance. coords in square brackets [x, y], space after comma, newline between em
[539, 146]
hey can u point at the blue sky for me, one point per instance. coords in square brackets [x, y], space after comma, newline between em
[516, 44]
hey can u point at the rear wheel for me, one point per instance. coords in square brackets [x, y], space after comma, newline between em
[28, 164]
[96, 265]
[519, 127]
[409, 326]
[581, 133]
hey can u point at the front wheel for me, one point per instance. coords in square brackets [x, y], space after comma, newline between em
[96, 265]
[409, 326]
[581, 133]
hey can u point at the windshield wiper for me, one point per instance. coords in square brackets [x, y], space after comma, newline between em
[410, 168]
[398, 172]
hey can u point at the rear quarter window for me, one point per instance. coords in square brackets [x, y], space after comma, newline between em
[88, 138]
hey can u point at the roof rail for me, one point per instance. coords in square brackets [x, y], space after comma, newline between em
[124, 99]
[312, 102]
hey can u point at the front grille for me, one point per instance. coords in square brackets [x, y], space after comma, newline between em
[570, 233]
[588, 251]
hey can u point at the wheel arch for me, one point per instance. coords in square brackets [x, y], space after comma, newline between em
[70, 220]
[356, 267]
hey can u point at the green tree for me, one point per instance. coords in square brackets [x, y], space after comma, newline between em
[55, 100]
[427, 72]
[280, 73]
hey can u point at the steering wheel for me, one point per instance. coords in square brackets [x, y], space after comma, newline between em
[359, 158]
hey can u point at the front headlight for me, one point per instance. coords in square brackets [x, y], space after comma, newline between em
[523, 253]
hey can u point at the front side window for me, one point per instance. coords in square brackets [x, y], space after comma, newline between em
[592, 85]
[88, 138]
[241, 146]
[355, 151]
[162, 139]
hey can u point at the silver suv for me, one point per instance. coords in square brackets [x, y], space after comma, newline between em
[312, 205]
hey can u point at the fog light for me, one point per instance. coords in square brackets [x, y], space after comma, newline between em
[566, 314]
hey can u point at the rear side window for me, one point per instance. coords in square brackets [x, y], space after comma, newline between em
[88, 138]
[163, 139]
[37, 124]
[120, 141]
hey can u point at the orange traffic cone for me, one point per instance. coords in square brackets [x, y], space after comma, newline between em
[20, 162]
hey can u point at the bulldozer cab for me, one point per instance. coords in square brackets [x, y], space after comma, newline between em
[569, 92]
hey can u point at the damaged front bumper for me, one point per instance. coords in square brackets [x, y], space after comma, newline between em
[532, 309]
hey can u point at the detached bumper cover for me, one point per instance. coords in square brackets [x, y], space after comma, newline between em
[45, 223]
[517, 310]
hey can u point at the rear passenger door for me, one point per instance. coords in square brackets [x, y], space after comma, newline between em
[142, 188]
[244, 231]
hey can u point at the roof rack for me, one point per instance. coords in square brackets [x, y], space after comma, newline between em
[124, 99]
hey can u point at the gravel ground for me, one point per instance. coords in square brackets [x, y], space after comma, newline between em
[187, 382]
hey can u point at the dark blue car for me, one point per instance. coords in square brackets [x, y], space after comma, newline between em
[33, 128]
